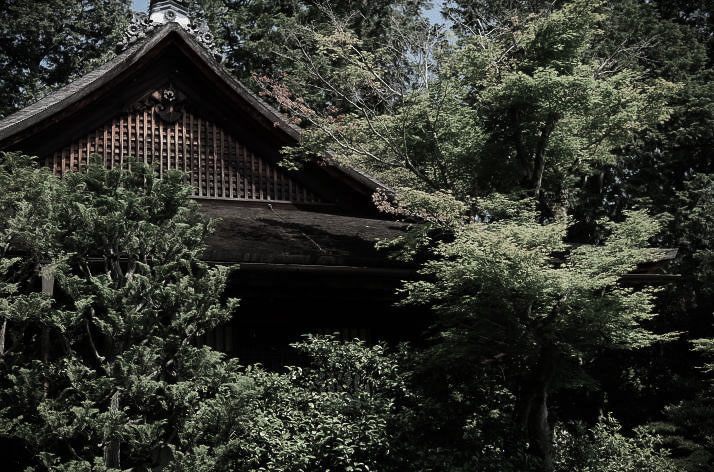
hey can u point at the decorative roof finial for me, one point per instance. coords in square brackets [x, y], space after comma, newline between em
[168, 11]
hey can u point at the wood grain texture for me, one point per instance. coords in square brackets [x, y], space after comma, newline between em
[218, 164]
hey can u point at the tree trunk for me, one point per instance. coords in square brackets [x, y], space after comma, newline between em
[112, 445]
[540, 434]
[522, 155]
[533, 411]
[539, 164]
[3, 329]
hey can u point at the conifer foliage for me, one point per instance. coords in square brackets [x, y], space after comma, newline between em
[103, 297]
[46, 43]
[105, 368]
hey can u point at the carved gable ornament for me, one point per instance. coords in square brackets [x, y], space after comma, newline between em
[168, 104]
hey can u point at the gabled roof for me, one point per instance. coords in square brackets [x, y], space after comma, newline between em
[70, 100]
[87, 84]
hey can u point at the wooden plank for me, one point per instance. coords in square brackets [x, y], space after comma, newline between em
[260, 178]
[183, 138]
[290, 189]
[89, 151]
[232, 167]
[126, 148]
[111, 161]
[200, 182]
[145, 138]
[251, 173]
[223, 167]
[161, 149]
[104, 146]
[190, 147]
[215, 163]
[176, 145]
[137, 136]
[72, 148]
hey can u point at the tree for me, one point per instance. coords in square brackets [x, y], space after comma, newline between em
[510, 291]
[519, 108]
[334, 413]
[525, 108]
[688, 421]
[605, 449]
[255, 36]
[45, 44]
[120, 381]
[131, 294]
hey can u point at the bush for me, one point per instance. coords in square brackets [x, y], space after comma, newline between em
[331, 415]
[604, 449]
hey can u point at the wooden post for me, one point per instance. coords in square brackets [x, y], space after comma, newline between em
[48, 287]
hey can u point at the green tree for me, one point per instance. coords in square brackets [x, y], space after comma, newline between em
[105, 374]
[510, 291]
[520, 108]
[45, 44]
[335, 413]
[257, 37]
[604, 448]
[689, 419]
[527, 108]
[120, 370]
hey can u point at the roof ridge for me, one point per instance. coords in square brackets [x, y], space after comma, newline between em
[162, 12]
[90, 82]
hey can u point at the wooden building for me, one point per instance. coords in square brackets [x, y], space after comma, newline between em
[304, 240]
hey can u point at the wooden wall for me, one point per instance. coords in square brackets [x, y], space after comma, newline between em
[219, 165]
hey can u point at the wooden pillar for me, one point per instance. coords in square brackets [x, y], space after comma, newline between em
[48, 287]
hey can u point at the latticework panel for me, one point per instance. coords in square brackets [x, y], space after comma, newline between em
[219, 166]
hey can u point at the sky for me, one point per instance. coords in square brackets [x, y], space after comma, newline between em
[432, 14]
[139, 5]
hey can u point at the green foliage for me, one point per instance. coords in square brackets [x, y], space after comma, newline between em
[604, 448]
[100, 372]
[257, 37]
[332, 415]
[502, 288]
[526, 106]
[536, 126]
[44, 44]
[105, 374]
[523, 107]
[688, 422]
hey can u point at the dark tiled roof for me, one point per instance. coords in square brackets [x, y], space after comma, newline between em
[291, 236]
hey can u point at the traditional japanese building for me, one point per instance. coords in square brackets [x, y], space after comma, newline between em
[305, 240]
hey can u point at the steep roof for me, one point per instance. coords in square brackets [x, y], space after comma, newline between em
[69, 101]
[257, 232]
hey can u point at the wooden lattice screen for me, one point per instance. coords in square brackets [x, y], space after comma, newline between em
[219, 166]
